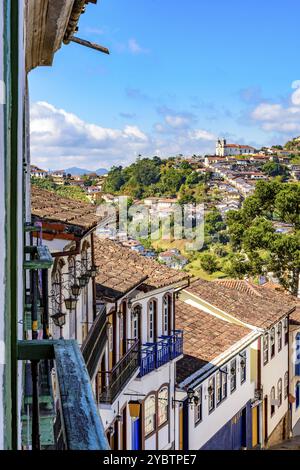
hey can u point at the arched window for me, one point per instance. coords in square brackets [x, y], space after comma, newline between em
[286, 384]
[149, 414]
[279, 392]
[266, 348]
[163, 406]
[279, 335]
[272, 341]
[167, 309]
[151, 321]
[272, 400]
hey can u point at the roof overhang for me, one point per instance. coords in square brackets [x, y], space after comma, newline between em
[49, 24]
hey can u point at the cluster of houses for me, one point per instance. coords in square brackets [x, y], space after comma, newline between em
[60, 177]
[174, 364]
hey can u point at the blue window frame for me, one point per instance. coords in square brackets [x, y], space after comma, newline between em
[297, 394]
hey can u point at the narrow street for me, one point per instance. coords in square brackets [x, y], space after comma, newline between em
[290, 444]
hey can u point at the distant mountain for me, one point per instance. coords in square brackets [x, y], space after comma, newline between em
[83, 171]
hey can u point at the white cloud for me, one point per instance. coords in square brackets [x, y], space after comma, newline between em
[280, 118]
[200, 134]
[61, 139]
[135, 48]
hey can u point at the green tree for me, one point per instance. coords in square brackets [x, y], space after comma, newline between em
[287, 204]
[274, 169]
[209, 262]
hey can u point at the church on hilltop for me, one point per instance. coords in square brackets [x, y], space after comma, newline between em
[224, 150]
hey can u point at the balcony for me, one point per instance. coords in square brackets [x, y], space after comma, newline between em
[115, 380]
[73, 421]
[94, 343]
[155, 355]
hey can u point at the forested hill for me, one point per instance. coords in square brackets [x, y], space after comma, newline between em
[155, 177]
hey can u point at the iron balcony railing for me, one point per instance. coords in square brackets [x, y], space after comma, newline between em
[155, 355]
[94, 343]
[115, 380]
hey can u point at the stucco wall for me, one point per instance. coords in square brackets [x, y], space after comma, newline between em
[212, 423]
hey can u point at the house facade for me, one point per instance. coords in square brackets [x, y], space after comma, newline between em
[135, 385]
[217, 376]
[24, 264]
[266, 314]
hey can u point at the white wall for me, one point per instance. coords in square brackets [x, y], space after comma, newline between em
[140, 387]
[212, 422]
[270, 374]
[2, 242]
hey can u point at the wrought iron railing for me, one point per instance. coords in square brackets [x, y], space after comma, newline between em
[155, 355]
[94, 343]
[115, 380]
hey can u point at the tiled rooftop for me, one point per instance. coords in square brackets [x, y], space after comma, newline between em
[205, 338]
[49, 206]
[247, 302]
[121, 269]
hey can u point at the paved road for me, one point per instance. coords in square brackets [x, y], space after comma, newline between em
[291, 444]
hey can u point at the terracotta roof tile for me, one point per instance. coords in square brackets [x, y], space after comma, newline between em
[247, 302]
[48, 205]
[121, 269]
[200, 345]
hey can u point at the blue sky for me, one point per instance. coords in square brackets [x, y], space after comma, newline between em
[180, 74]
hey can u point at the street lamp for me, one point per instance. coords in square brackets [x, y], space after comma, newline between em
[83, 280]
[75, 289]
[93, 271]
[59, 319]
[71, 303]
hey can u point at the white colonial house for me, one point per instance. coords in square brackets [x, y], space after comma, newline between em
[135, 384]
[266, 313]
[37, 172]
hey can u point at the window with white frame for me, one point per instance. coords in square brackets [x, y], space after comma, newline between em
[286, 384]
[151, 319]
[233, 375]
[135, 318]
[163, 406]
[279, 335]
[243, 366]
[286, 330]
[272, 400]
[219, 386]
[266, 348]
[272, 342]
[198, 406]
[149, 415]
[211, 394]
[166, 314]
[224, 371]
[279, 392]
